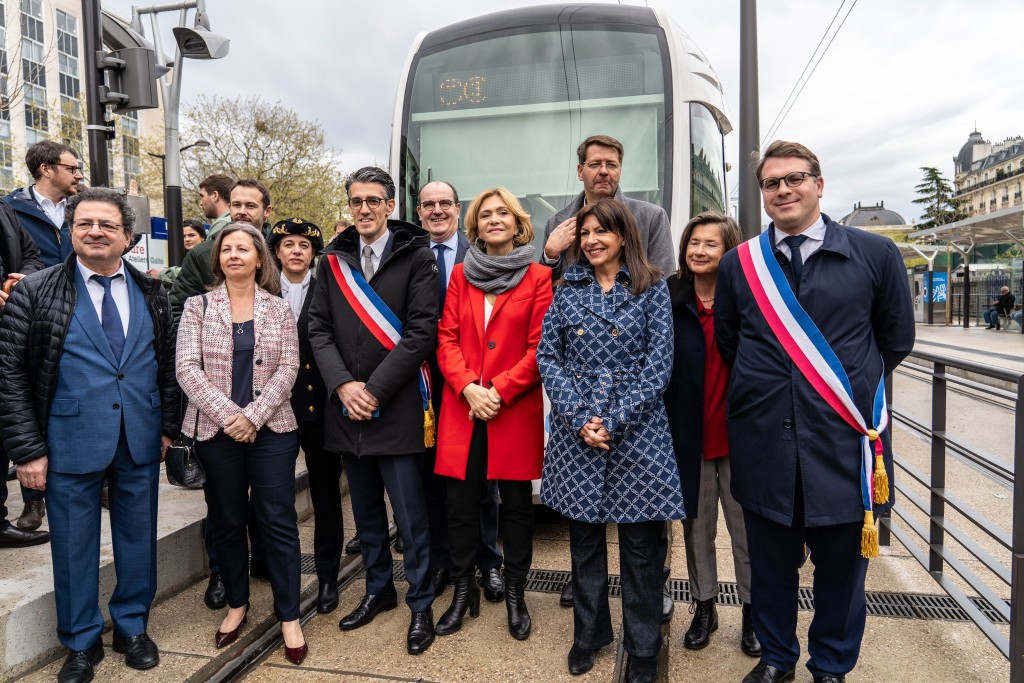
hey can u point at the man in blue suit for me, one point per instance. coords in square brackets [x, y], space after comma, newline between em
[87, 373]
[796, 464]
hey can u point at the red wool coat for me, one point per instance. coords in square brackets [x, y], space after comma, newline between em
[505, 357]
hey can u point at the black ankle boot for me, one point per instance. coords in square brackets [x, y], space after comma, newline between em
[519, 622]
[705, 622]
[466, 597]
[748, 641]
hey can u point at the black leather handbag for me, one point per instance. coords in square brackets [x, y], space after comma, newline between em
[182, 463]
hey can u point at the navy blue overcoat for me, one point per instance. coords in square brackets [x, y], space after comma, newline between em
[855, 289]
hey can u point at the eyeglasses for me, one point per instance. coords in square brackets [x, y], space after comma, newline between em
[372, 202]
[73, 170]
[596, 165]
[107, 228]
[794, 179]
[428, 205]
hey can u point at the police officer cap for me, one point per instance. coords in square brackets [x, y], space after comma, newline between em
[298, 227]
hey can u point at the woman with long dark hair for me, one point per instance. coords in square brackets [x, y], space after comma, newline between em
[605, 357]
[492, 414]
[695, 400]
[237, 358]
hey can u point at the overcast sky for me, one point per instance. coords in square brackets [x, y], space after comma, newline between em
[901, 86]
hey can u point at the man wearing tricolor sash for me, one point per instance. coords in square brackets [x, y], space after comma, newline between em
[372, 324]
[811, 315]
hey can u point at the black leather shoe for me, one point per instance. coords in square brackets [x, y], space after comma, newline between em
[327, 598]
[566, 598]
[439, 579]
[352, 547]
[519, 622]
[830, 679]
[139, 651]
[643, 669]
[465, 598]
[580, 660]
[765, 673]
[705, 622]
[13, 537]
[369, 607]
[668, 606]
[258, 568]
[31, 516]
[78, 666]
[216, 597]
[421, 632]
[749, 643]
[493, 585]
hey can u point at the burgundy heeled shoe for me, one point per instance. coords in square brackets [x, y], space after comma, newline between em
[222, 640]
[296, 655]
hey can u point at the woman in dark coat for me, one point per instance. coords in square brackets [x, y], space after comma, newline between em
[605, 357]
[695, 400]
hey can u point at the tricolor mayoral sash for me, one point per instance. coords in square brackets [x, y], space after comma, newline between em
[811, 353]
[383, 325]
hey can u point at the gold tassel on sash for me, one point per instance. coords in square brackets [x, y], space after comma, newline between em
[881, 481]
[869, 536]
[428, 426]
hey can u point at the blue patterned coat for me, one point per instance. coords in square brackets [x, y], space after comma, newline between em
[610, 356]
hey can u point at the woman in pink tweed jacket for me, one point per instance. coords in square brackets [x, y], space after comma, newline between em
[237, 358]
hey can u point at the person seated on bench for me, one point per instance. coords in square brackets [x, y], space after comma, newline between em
[1003, 305]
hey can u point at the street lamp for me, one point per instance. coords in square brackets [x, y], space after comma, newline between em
[163, 174]
[196, 42]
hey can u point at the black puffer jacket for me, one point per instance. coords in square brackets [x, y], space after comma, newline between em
[347, 351]
[32, 332]
[18, 253]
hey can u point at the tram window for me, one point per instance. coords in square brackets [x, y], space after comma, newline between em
[510, 110]
[707, 162]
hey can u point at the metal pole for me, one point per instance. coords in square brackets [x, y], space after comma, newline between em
[750, 193]
[929, 314]
[1017, 563]
[967, 290]
[937, 506]
[96, 122]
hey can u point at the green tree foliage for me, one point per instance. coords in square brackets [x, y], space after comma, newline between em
[251, 138]
[940, 206]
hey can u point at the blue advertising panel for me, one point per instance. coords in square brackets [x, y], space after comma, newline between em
[159, 227]
[937, 291]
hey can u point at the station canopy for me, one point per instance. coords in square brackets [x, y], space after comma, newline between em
[997, 227]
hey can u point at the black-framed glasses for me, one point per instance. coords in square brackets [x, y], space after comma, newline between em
[71, 169]
[86, 225]
[794, 179]
[372, 202]
[444, 204]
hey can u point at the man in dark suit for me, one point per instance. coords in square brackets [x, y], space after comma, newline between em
[439, 211]
[796, 464]
[96, 402]
[372, 324]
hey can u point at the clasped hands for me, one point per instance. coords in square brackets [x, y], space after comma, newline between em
[595, 434]
[483, 403]
[359, 402]
[239, 428]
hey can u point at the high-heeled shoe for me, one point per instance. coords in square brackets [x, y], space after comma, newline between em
[296, 655]
[466, 597]
[222, 640]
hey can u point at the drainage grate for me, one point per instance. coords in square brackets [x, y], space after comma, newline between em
[879, 604]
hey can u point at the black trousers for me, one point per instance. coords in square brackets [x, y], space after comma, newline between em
[267, 466]
[640, 566]
[325, 491]
[464, 513]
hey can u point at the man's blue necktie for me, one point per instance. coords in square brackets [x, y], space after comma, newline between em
[442, 277]
[112, 327]
[796, 259]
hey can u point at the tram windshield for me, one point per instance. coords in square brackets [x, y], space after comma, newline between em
[511, 110]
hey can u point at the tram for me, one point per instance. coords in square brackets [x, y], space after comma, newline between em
[505, 99]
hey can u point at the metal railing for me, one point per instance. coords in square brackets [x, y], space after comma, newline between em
[940, 533]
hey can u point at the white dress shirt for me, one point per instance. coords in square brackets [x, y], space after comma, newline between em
[815, 239]
[118, 290]
[295, 293]
[378, 249]
[55, 212]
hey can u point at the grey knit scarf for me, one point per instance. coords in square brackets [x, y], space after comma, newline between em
[497, 274]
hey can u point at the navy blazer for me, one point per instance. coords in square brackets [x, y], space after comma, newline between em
[856, 291]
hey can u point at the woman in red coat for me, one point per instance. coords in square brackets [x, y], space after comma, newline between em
[492, 415]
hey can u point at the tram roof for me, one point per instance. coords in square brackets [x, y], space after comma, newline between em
[542, 15]
[996, 227]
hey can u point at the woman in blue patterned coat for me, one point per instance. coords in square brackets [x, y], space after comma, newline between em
[605, 356]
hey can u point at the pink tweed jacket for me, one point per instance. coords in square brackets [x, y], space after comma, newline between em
[275, 363]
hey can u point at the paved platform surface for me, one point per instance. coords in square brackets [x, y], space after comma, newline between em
[895, 649]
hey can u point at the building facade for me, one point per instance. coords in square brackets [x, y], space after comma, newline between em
[42, 90]
[989, 177]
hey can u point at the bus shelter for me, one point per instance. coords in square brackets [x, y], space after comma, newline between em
[996, 227]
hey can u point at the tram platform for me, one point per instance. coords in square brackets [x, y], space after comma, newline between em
[914, 632]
